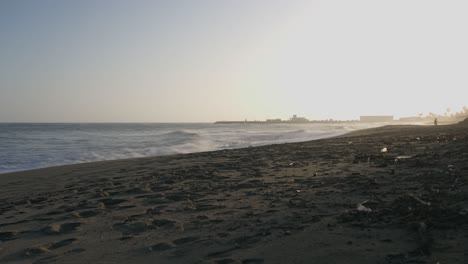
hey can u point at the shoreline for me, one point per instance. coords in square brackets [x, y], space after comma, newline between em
[267, 144]
[292, 140]
[126, 159]
[332, 200]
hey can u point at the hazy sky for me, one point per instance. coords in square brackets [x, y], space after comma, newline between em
[189, 61]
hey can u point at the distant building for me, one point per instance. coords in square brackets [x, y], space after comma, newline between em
[277, 120]
[370, 119]
[297, 119]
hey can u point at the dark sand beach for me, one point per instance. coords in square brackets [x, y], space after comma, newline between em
[338, 200]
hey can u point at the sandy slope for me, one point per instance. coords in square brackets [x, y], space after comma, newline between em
[289, 203]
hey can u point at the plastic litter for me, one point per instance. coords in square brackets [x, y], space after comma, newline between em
[419, 200]
[384, 150]
[362, 208]
[404, 157]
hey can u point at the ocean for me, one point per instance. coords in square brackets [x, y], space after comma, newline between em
[31, 146]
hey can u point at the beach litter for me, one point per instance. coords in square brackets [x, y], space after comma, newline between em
[362, 208]
[384, 150]
[419, 200]
[403, 157]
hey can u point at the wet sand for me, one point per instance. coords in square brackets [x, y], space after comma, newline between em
[338, 200]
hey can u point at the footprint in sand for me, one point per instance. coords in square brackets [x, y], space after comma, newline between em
[35, 251]
[87, 213]
[109, 202]
[5, 236]
[253, 261]
[62, 243]
[56, 212]
[140, 227]
[126, 238]
[161, 247]
[164, 223]
[133, 228]
[227, 261]
[184, 240]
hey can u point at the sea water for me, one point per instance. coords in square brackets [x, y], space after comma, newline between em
[30, 146]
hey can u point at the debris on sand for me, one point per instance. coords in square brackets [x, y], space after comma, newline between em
[419, 200]
[362, 208]
[403, 157]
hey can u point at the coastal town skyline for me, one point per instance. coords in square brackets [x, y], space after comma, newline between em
[448, 117]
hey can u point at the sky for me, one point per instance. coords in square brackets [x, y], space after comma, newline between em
[208, 60]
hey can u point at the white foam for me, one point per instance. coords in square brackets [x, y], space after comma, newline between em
[26, 147]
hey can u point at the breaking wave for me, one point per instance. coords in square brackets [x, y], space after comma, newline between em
[31, 146]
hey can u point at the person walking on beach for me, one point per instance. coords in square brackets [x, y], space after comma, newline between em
[435, 121]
